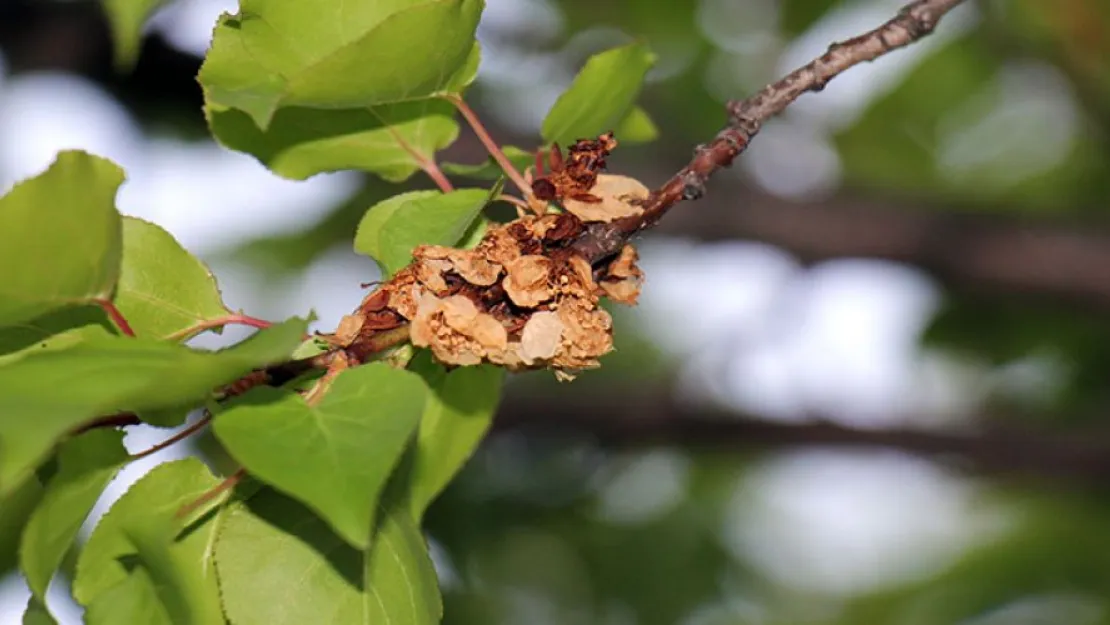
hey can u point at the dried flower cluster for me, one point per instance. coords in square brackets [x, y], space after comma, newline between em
[520, 298]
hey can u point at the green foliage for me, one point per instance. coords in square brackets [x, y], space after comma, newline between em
[358, 92]
[459, 411]
[126, 17]
[16, 508]
[163, 290]
[322, 522]
[392, 228]
[637, 127]
[601, 96]
[85, 466]
[279, 564]
[62, 260]
[353, 56]
[37, 614]
[490, 170]
[141, 545]
[797, 15]
[105, 374]
[346, 445]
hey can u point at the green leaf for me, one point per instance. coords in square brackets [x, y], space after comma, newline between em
[798, 15]
[126, 18]
[37, 614]
[602, 94]
[184, 579]
[107, 374]
[280, 564]
[277, 54]
[390, 140]
[392, 228]
[16, 508]
[85, 466]
[61, 230]
[46, 331]
[345, 446]
[133, 600]
[145, 513]
[636, 127]
[457, 416]
[490, 170]
[163, 289]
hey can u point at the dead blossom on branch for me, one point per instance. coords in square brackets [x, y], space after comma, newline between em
[521, 298]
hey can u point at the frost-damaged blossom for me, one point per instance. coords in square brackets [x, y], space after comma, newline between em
[520, 299]
[622, 279]
[456, 331]
[617, 197]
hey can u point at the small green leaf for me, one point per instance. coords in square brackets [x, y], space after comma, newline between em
[16, 508]
[132, 600]
[127, 17]
[279, 564]
[46, 330]
[346, 446]
[37, 614]
[184, 579]
[390, 140]
[465, 75]
[636, 127]
[602, 94]
[490, 170]
[107, 374]
[391, 229]
[353, 55]
[60, 235]
[457, 416]
[163, 289]
[85, 466]
[798, 15]
[111, 555]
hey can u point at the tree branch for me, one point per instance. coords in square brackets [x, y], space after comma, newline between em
[633, 418]
[976, 253]
[746, 117]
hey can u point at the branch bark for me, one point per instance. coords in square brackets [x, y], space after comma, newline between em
[746, 117]
[635, 419]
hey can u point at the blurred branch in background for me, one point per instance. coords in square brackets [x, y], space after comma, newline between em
[973, 252]
[630, 418]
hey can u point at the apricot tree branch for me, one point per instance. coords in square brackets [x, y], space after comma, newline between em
[462, 311]
[913, 22]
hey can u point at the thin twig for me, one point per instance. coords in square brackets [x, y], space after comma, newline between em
[219, 322]
[227, 484]
[182, 435]
[116, 316]
[913, 22]
[490, 145]
[436, 174]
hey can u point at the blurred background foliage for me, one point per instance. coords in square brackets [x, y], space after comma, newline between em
[868, 382]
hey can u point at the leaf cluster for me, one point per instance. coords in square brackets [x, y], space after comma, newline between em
[322, 522]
